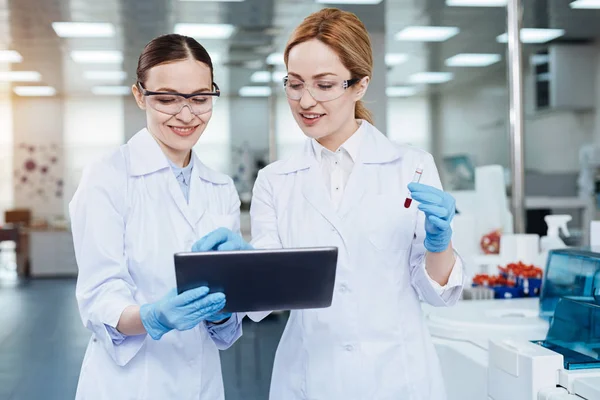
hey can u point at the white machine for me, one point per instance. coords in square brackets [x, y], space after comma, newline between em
[467, 337]
[566, 365]
[462, 333]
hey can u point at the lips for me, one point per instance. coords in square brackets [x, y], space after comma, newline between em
[311, 118]
[183, 130]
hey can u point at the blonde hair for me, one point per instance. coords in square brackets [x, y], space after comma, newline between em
[346, 35]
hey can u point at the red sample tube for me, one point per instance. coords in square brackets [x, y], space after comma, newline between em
[416, 179]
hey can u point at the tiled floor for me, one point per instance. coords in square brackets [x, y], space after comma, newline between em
[42, 342]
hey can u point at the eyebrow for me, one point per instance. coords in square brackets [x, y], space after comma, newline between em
[166, 89]
[317, 76]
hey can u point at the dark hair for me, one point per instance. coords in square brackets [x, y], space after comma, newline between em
[170, 48]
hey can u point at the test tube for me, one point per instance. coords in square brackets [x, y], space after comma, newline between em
[416, 179]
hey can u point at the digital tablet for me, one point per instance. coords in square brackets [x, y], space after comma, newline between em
[262, 280]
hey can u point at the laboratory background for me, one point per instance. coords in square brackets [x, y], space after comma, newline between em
[513, 125]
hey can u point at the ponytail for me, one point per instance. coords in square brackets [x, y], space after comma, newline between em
[361, 112]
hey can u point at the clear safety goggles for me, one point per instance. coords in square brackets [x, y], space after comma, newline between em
[321, 90]
[172, 102]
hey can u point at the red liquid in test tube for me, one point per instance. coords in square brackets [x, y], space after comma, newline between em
[416, 179]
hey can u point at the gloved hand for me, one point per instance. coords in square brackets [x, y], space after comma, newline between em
[180, 312]
[439, 208]
[221, 239]
[219, 317]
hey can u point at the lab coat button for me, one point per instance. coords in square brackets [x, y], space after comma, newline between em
[349, 347]
[343, 288]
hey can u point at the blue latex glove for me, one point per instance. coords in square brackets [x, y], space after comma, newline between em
[439, 208]
[221, 239]
[219, 318]
[180, 312]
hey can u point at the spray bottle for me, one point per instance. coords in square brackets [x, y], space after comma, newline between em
[552, 239]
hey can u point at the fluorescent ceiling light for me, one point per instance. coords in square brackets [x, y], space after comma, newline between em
[427, 33]
[476, 3]
[111, 90]
[254, 64]
[83, 29]
[97, 57]
[392, 59]
[10, 56]
[205, 31]
[472, 60]
[255, 91]
[539, 59]
[348, 1]
[265, 76]
[534, 35]
[400, 91]
[20, 76]
[34, 91]
[105, 75]
[261, 77]
[431, 77]
[275, 59]
[585, 4]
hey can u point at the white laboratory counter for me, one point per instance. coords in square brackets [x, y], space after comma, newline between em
[51, 253]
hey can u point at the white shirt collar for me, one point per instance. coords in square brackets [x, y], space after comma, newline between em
[351, 145]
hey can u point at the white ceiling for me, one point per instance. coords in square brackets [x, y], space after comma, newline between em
[262, 27]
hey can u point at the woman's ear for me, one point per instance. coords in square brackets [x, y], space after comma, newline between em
[362, 87]
[139, 97]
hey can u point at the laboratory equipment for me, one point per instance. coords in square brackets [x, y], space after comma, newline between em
[416, 179]
[564, 365]
[552, 239]
[569, 272]
[462, 333]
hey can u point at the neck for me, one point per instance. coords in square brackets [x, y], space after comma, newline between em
[181, 158]
[333, 141]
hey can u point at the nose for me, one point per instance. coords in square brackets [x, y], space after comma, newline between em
[185, 115]
[307, 100]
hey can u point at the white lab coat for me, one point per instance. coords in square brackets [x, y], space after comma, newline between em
[373, 342]
[129, 216]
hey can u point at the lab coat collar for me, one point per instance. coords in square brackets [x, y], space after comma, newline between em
[145, 154]
[207, 174]
[375, 148]
[147, 157]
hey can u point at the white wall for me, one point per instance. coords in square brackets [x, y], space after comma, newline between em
[249, 121]
[93, 127]
[38, 137]
[213, 148]
[552, 141]
[474, 121]
[6, 155]
[408, 121]
[597, 114]
[290, 137]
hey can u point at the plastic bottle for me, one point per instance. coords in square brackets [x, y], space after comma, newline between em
[552, 239]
